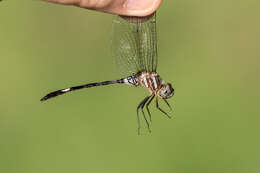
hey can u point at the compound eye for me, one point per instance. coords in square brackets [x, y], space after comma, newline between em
[164, 92]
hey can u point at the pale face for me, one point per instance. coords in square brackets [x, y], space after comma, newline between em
[166, 91]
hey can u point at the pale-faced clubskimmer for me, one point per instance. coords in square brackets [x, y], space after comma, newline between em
[134, 45]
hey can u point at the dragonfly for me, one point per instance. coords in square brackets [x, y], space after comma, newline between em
[134, 45]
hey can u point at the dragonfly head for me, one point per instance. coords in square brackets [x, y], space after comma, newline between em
[166, 91]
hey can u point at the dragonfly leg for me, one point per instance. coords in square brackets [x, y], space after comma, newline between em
[142, 109]
[147, 107]
[138, 119]
[157, 106]
[141, 106]
[168, 104]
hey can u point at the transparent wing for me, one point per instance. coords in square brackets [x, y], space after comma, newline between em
[134, 44]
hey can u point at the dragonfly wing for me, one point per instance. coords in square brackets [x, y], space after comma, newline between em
[134, 43]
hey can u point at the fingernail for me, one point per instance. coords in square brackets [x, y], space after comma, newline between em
[141, 7]
[131, 4]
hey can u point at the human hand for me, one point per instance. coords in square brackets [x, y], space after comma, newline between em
[120, 7]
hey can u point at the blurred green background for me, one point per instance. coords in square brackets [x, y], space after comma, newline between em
[208, 50]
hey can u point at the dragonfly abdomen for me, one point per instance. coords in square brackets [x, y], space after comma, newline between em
[131, 80]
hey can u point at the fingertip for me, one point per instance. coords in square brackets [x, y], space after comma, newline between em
[140, 8]
[119, 7]
[132, 7]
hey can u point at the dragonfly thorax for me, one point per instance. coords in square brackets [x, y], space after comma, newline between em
[151, 81]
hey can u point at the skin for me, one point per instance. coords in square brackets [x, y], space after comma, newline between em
[120, 7]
